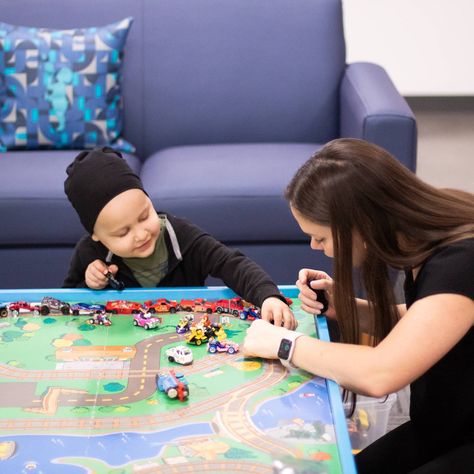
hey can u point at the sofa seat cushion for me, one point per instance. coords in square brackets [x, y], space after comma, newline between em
[33, 205]
[235, 192]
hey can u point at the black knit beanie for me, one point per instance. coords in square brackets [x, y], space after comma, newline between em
[95, 178]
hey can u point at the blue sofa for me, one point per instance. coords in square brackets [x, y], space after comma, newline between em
[223, 100]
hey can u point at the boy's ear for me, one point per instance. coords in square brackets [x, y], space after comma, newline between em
[94, 237]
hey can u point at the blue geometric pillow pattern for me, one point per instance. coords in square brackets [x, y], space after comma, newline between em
[62, 88]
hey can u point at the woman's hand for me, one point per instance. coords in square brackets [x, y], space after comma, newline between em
[96, 272]
[273, 309]
[263, 339]
[318, 281]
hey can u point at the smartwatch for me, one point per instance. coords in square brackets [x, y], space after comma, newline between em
[287, 347]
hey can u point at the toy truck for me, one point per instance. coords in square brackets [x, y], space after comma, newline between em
[233, 306]
[49, 304]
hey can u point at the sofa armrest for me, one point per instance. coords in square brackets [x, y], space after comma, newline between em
[372, 109]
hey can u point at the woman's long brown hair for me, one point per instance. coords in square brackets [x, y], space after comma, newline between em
[355, 186]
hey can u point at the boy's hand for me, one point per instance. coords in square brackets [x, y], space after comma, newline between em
[96, 274]
[309, 280]
[273, 309]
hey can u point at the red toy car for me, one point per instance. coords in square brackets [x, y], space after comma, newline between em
[17, 307]
[233, 306]
[162, 305]
[198, 305]
[123, 307]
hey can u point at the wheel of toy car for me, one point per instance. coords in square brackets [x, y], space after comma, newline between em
[173, 310]
[146, 326]
[187, 308]
[3, 312]
[135, 311]
[219, 309]
[113, 311]
[172, 393]
[75, 312]
[65, 309]
[171, 358]
[90, 321]
[101, 323]
[242, 316]
[44, 310]
[15, 313]
[212, 349]
[151, 310]
[198, 342]
[235, 312]
[209, 311]
[135, 322]
[231, 350]
[36, 312]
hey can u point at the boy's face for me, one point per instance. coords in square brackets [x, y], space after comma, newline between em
[128, 225]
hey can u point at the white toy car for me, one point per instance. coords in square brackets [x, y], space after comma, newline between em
[180, 354]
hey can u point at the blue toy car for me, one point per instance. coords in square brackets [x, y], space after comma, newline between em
[86, 308]
[174, 385]
[250, 313]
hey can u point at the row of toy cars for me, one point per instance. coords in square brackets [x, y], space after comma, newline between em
[49, 305]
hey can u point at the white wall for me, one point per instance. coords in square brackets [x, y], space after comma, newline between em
[426, 46]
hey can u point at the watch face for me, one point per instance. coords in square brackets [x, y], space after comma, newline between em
[284, 349]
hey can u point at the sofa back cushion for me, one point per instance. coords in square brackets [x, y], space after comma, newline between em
[238, 71]
[214, 71]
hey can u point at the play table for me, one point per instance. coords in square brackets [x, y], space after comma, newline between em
[79, 398]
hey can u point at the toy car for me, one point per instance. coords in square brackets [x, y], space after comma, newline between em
[162, 305]
[213, 330]
[184, 324]
[214, 346]
[49, 304]
[198, 305]
[19, 306]
[123, 307]
[196, 336]
[174, 385]
[146, 320]
[180, 354]
[100, 318]
[250, 313]
[233, 306]
[85, 308]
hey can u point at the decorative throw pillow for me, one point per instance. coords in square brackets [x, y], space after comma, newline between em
[61, 88]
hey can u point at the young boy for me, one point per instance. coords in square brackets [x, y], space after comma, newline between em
[130, 244]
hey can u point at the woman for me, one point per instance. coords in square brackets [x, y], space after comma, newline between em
[360, 206]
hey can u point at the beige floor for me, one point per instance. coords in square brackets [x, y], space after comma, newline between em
[445, 159]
